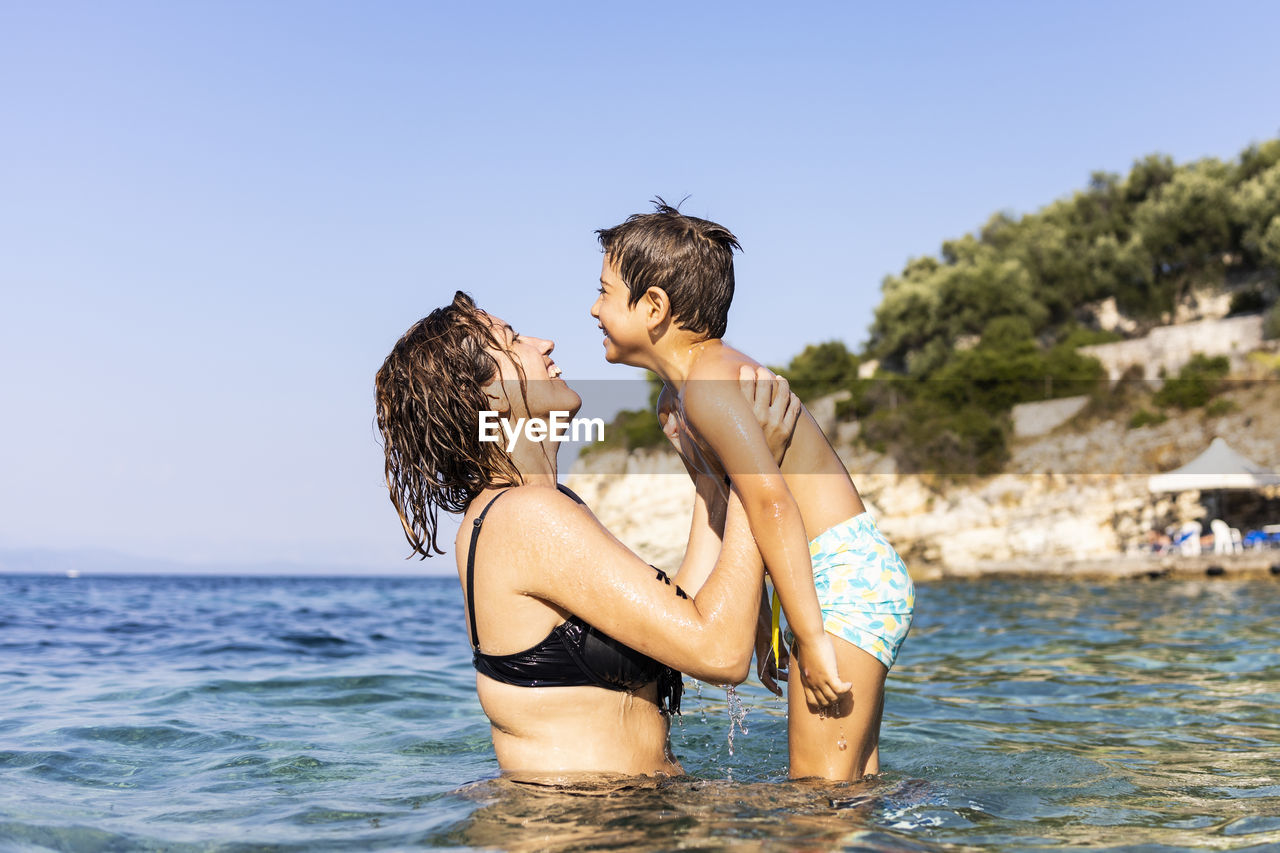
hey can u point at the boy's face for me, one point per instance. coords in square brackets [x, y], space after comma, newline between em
[622, 324]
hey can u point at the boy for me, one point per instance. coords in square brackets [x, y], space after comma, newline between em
[665, 289]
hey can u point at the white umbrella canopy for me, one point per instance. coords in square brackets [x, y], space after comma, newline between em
[1219, 467]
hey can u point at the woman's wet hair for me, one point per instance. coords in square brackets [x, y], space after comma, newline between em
[429, 395]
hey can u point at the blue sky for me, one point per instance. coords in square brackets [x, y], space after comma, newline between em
[217, 217]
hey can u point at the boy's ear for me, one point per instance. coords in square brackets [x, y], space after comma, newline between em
[656, 306]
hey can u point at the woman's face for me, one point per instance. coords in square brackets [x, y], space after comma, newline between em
[546, 391]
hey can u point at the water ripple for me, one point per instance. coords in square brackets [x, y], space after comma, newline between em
[316, 714]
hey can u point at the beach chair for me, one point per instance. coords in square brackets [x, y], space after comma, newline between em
[1223, 541]
[1188, 539]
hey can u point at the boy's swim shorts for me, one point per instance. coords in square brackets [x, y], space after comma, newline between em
[863, 588]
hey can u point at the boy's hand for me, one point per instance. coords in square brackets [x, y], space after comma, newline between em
[770, 671]
[775, 407]
[819, 673]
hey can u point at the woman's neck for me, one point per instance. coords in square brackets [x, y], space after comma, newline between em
[536, 461]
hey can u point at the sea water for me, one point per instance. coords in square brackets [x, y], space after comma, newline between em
[184, 713]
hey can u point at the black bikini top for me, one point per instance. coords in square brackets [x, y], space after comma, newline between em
[574, 654]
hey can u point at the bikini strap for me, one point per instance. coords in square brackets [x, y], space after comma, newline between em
[471, 559]
[565, 490]
[471, 569]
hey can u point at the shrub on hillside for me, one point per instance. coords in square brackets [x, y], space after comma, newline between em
[932, 437]
[1218, 408]
[1249, 301]
[1196, 383]
[632, 429]
[1271, 323]
[1143, 417]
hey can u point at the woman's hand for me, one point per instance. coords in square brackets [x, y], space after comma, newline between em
[775, 407]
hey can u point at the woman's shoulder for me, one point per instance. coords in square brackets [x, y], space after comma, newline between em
[545, 537]
[530, 503]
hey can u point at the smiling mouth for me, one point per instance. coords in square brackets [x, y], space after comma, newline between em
[554, 371]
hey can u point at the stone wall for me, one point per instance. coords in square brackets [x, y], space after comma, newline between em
[1167, 348]
[1031, 419]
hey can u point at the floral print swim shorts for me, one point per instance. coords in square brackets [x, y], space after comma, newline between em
[866, 595]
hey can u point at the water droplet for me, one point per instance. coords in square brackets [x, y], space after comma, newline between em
[842, 743]
[737, 713]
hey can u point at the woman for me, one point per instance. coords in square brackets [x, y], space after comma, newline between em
[574, 635]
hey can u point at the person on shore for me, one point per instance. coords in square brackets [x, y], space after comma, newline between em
[666, 284]
[576, 641]
[1158, 542]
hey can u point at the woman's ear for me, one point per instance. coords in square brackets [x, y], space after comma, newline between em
[496, 393]
[656, 306]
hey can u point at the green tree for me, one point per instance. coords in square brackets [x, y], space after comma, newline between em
[1269, 245]
[1009, 367]
[1148, 175]
[1255, 211]
[1144, 239]
[971, 294]
[1186, 226]
[822, 368]
[931, 437]
[1257, 159]
[904, 319]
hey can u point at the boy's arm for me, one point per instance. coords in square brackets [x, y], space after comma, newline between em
[776, 410]
[724, 419]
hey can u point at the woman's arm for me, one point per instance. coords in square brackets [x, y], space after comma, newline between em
[576, 564]
[706, 527]
[706, 533]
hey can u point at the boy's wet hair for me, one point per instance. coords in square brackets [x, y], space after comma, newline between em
[690, 259]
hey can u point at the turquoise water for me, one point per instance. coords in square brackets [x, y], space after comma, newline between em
[340, 714]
